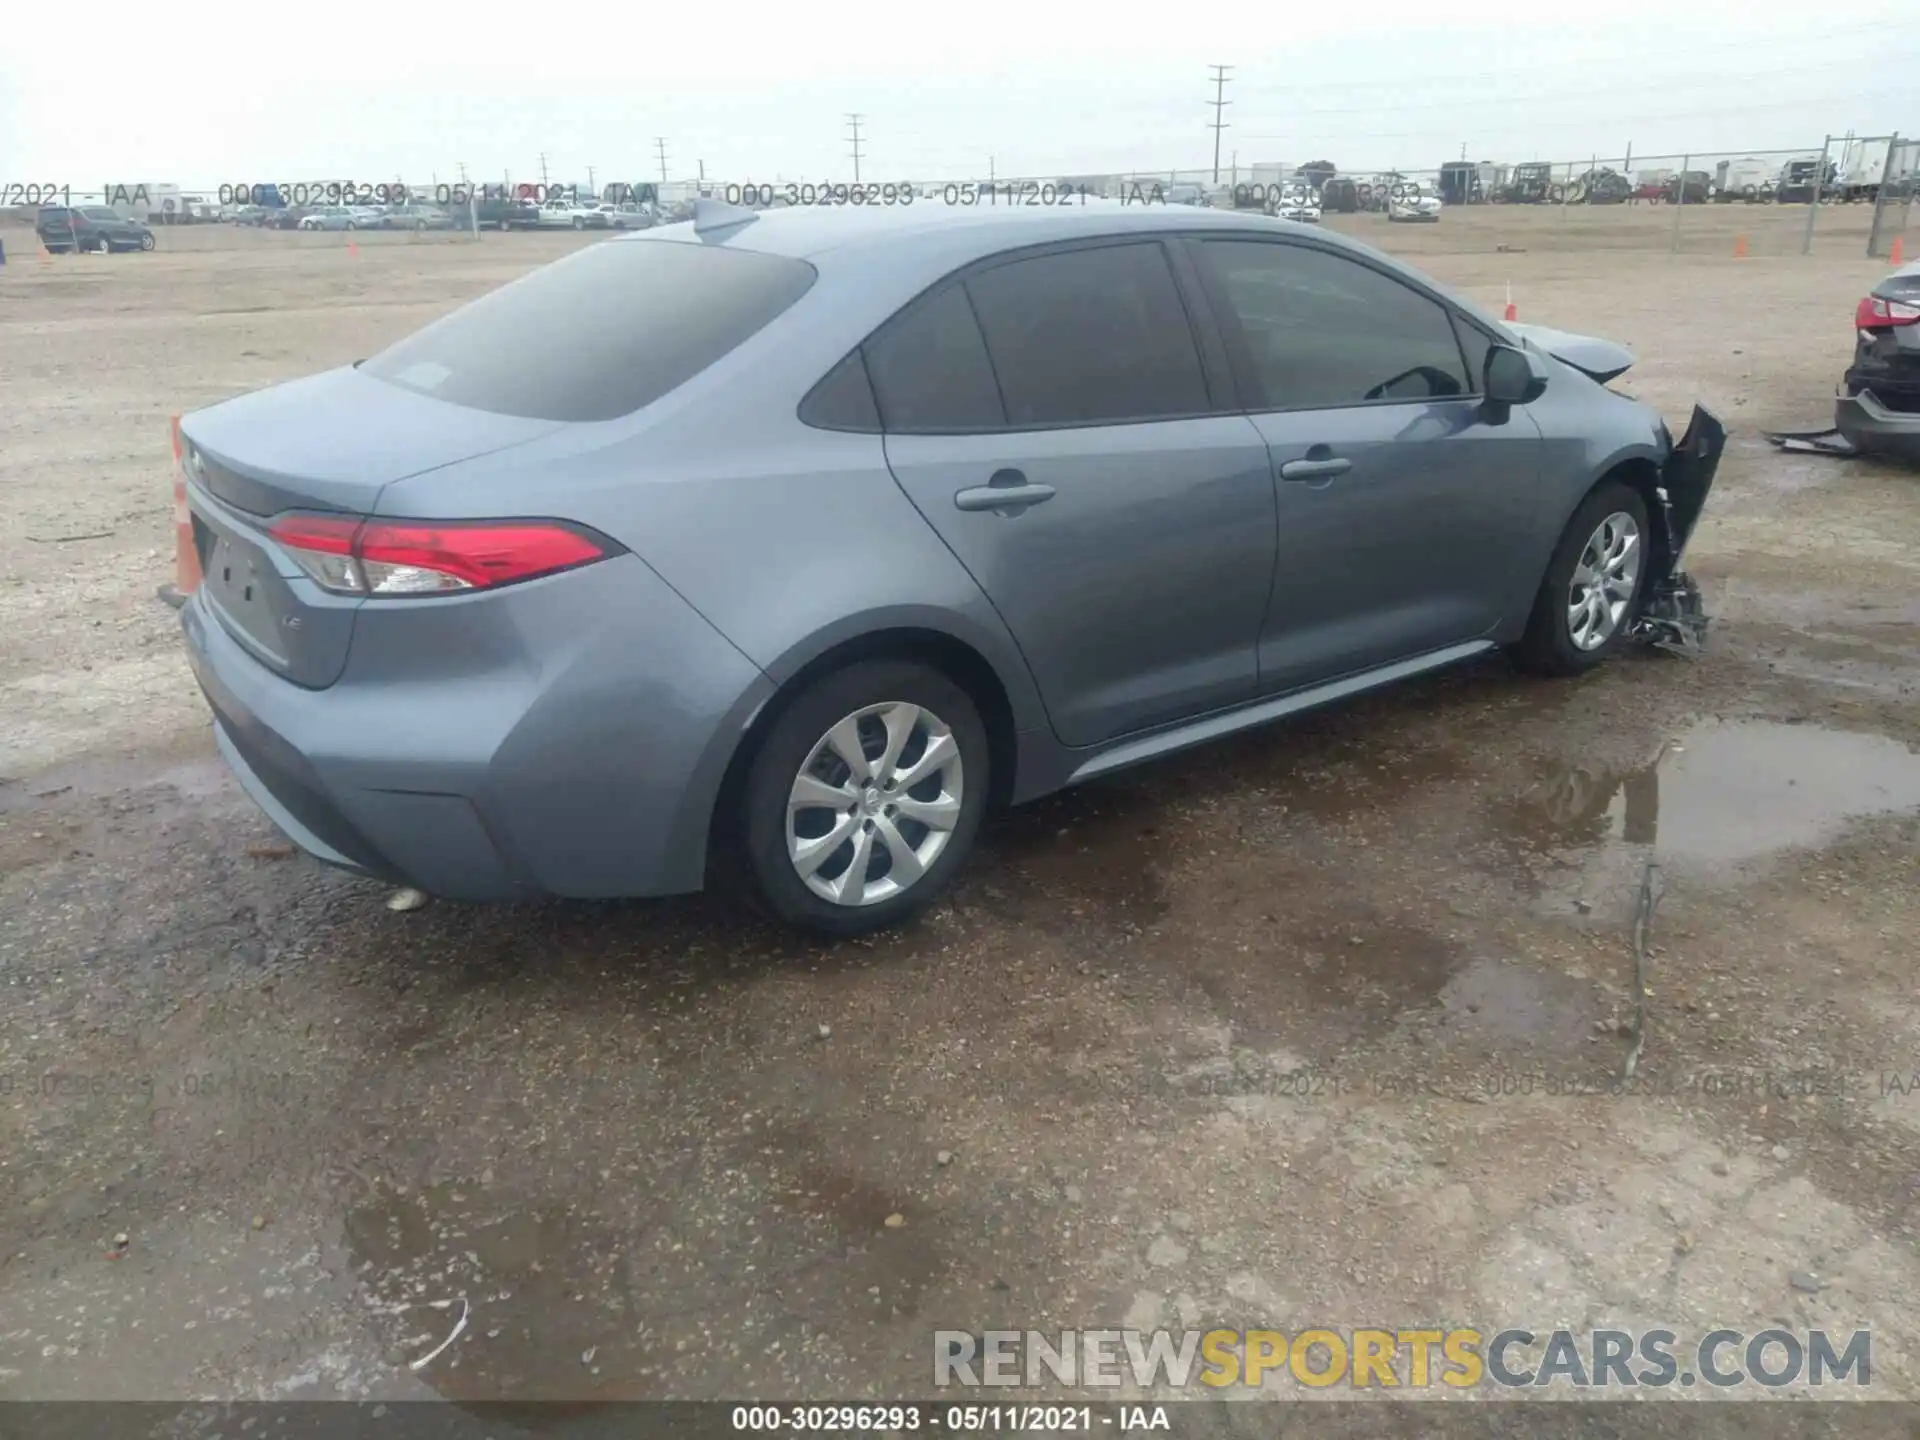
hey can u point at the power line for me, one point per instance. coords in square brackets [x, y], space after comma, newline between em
[854, 122]
[1220, 103]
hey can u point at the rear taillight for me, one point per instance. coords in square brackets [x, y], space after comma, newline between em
[1876, 313]
[431, 557]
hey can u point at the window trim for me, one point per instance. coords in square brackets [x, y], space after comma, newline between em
[1216, 370]
[1252, 393]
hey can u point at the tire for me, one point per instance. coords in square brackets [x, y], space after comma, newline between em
[103, 246]
[800, 745]
[1551, 645]
[578, 223]
[350, 226]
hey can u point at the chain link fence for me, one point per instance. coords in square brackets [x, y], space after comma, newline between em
[1846, 194]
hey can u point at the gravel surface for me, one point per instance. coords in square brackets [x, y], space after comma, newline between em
[1312, 1027]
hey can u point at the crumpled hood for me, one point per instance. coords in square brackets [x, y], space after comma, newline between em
[1601, 359]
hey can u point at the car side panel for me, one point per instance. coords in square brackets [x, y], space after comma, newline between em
[789, 540]
[1586, 431]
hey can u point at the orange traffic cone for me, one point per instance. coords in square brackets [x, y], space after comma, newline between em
[352, 249]
[1513, 312]
[1739, 247]
[1899, 252]
[186, 560]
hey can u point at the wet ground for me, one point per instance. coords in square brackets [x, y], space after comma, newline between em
[1317, 1026]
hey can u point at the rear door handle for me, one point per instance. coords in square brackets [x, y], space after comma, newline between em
[1314, 469]
[1007, 493]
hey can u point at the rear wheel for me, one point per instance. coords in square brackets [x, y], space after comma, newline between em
[865, 797]
[1591, 592]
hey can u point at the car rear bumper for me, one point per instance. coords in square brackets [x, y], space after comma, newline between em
[1871, 426]
[568, 738]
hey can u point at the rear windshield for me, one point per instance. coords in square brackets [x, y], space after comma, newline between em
[599, 334]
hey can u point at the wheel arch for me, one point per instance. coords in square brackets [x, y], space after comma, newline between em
[955, 657]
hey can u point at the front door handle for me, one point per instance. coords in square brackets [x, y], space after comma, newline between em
[1316, 469]
[1007, 493]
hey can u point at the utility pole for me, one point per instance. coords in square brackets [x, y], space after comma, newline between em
[853, 122]
[590, 185]
[543, 171]
[1220, 103]
[660, 145]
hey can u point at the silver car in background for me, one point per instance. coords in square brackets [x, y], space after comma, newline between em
[778, 547]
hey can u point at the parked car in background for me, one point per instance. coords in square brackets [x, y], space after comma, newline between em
[414, 217]
[80, 229]
[250, 215]
[288, 217]
[1408, 202]
[1695, 187]
[553, 596]
[1297, 201]
[503, 212]
[577, 214]
[333, 217]
[1801, 180]
[635, 217]
[1879, 405]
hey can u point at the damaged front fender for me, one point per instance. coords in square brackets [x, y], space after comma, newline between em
[1672, 614]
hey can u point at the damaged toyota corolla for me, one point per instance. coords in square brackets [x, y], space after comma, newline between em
[782, 545]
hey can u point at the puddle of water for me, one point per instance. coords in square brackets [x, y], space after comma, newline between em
[1514, 1003]
[1731, 791]
[545, 1289]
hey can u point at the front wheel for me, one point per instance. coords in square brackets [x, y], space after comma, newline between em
[146, 242]
[1591, 592]
[865, 797]
[578, 223]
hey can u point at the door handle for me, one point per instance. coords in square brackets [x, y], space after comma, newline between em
[1316, 469]
[1006, 493]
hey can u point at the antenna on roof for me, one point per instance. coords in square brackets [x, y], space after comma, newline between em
[709, 215]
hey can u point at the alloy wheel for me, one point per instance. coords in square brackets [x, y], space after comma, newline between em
[1604, 581]
[875, 803]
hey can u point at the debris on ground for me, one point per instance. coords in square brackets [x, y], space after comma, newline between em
[406, 899]
[1813, 442]
[1651, 889]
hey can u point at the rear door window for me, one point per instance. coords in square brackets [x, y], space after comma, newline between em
[930, 369]
[599, 334]
[1090, 336]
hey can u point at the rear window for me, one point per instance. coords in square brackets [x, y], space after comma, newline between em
[599, 334]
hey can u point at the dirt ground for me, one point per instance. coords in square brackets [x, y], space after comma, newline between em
[1313, 1027]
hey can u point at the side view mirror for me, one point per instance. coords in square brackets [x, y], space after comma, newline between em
[1513, 377]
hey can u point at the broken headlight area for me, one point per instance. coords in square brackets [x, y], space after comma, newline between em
[1673, 614]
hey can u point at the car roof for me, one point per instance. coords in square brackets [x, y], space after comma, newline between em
[810, 232]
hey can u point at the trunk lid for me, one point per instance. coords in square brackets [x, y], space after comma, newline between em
[331, 442]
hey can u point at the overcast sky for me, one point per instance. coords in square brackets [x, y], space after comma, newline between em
[200, 92]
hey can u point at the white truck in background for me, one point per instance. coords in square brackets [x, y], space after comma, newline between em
[1862, 163]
